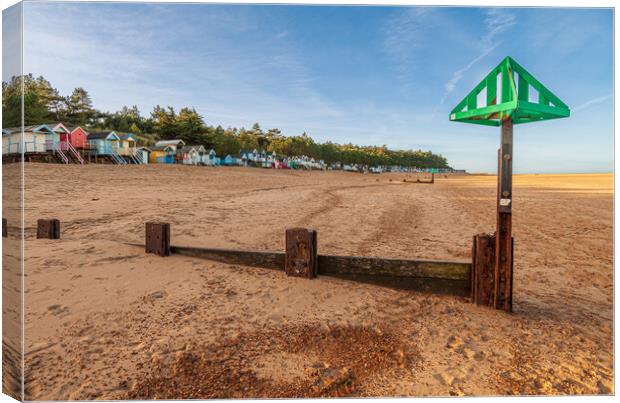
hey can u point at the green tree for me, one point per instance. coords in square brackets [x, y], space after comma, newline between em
[165, 122]
[35, 110]
[135, 129]
[50, 97]
[79, 107]
[190, 126]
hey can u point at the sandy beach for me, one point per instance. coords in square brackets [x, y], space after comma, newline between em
[104, 320]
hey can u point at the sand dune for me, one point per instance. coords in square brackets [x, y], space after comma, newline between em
[104, 320]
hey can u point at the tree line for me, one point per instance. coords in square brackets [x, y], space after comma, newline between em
[43, 103]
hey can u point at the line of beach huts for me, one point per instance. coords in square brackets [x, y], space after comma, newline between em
[57, 142]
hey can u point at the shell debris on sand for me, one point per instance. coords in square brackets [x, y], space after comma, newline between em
[313, 362]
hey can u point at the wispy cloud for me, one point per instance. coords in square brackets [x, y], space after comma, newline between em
[282, 34]
[592, 102]
[404, 34]
[458, 75]
[497, 22]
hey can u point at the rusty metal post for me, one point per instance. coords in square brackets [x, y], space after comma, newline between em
[503, 245]
[158, 238]
[48, 229]
[301, 259]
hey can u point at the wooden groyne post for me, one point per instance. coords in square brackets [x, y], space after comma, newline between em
[301, 259]
[418, 180]
[48, 228]
[158, 238]
[488, 287]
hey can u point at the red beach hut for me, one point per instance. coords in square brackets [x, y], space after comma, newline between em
[78, 137]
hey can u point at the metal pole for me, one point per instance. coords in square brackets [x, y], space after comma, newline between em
[503, 243]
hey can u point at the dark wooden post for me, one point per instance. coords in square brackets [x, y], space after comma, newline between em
[483, 270]
[301, 258]
[49, 229]
[503, 244]
[483, 273]
[5, 229]
[158, 238]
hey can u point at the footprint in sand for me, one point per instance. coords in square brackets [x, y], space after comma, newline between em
[58, 310]
[445, 378]
[454, 342]
[154, 296]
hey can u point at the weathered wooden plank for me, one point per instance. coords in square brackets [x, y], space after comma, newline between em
[331, 266]
[301, 253]
[418, 180]
[443, 277]
[267, 260]
[441, 286]
[5, 229]
[336, 265]
[358, 265]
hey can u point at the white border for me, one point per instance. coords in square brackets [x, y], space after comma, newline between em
[482, 3]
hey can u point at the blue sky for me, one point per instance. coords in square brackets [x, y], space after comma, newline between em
[367, 75]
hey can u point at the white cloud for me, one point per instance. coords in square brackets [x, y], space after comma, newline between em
[458, 75]
[592, 102]
[497, 21]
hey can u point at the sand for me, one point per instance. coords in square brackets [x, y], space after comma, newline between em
[105, 321]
